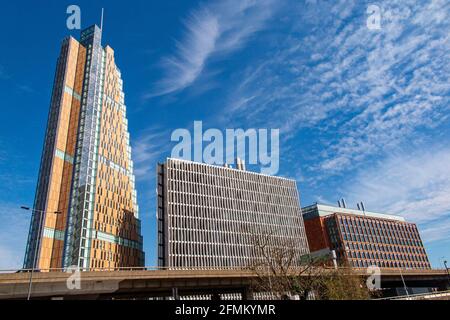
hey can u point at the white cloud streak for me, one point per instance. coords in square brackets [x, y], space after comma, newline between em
[415, 185]
[3, 74]
[371, 89]
[148, 149]
[212, 31]
[13, 236]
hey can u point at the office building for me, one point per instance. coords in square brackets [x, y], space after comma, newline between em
[361, 238]
[212, 216]
[86, 172]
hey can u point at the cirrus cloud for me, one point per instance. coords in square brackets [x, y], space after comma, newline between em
[212, 31]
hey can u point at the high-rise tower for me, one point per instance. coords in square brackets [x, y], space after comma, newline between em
[86, 171]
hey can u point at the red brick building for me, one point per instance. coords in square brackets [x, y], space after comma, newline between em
[362, 238]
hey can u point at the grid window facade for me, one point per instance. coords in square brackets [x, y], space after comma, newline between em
[208, 216]
[368, 241]
[361, 239]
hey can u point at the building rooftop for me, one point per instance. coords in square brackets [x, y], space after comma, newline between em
[223, 167]
[323, 210]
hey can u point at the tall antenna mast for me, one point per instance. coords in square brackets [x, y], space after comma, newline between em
[101, 20]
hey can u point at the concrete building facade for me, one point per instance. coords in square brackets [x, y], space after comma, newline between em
[209, 216]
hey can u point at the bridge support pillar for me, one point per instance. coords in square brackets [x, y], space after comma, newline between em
[215, 297]
[247, 294]
[175, 294]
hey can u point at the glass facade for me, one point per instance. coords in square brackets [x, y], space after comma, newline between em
[361, 239]
[86, 169]
[368, 241]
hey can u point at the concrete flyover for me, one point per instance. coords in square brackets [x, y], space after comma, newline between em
[124, 283]
[162, 283]
[434, 278]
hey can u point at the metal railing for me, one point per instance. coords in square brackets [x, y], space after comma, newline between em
[113, 269]
[386, 271]
[418, 295]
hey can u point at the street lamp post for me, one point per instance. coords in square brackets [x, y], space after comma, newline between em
[448, 273]
[403, 280]
[42, 214]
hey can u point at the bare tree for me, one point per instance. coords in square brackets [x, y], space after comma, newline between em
[282, 272]
[344, 284]
[277, 262]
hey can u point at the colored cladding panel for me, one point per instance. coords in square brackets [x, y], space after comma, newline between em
[116, 218]
[79, 226]
[316, 234]
[45, 172]
[64, 156]
[62, 164]
[54, 234]
[92, 187]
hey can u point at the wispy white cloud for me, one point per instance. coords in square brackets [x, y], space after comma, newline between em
[372, 90]
[211, 31]
[13, 236]
[437, 231]
[148, 149]
[414, 184]
[26, 88]
[3, 73]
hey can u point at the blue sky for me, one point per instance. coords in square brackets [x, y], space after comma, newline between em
[363, 114]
